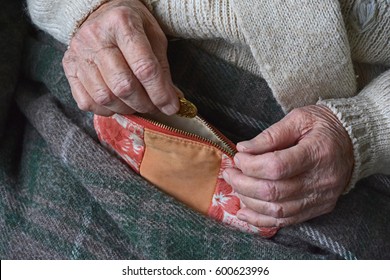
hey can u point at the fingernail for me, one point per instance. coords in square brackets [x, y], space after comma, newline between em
[169, 109]
[243, 146]
[241, 216]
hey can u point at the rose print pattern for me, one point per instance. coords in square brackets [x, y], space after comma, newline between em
[123, 136]
[126, 138]
[226, 203]
[224, 200]
[226, 162]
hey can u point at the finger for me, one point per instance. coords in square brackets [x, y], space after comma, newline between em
[290, 208]
[261, 220]
[89, 75]
[265, 190]
[278, 165]
[280, 135]
[84, 101]
[139, 55]
[122, 82]
[159, 44]
[80, 95]
[283, 209]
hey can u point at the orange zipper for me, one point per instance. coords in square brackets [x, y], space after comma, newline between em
[153, 124]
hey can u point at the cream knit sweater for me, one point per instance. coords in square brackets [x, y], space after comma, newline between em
[335, 53]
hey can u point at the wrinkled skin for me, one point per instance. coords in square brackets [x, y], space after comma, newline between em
[293, 171]
[117, 62]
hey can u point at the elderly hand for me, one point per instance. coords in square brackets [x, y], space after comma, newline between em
[117, 63]
[293, 171]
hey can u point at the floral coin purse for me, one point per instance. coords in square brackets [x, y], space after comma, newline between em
[184, 157]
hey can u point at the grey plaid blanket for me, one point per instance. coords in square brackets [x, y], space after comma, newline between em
[63, 196]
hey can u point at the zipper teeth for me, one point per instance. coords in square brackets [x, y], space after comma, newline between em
[231, 151]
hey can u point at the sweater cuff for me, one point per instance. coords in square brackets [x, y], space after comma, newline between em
[62, 22]
[366, 118]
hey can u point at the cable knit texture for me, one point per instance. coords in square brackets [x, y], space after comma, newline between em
[306, 50]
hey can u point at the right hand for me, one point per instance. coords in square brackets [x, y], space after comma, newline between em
[117, 62]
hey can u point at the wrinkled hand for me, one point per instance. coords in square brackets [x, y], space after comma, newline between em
[117, 62]
[293, 171]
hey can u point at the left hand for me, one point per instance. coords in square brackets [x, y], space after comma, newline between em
[293, 171]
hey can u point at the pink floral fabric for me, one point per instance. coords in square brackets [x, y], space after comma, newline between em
[125, 137]
[122, 135]
[226, 203]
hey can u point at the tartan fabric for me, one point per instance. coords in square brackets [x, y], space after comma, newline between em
[63, 196]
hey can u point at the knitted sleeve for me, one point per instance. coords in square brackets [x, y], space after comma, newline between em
[212, 19]
[61, 18]
[366, 117]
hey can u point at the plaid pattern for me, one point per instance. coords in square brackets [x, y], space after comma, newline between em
[63, 196]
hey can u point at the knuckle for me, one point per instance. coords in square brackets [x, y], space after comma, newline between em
[68, 61]
[281, 223]
[146, 70]
[124, 15]
[67, 69]
[277, 211]
[303, 205]
[313, 198]
[92, 30]
[66, 58]
[277, 167]
[122, 87]
[271, 192]
[269, 138]
[85, 105]
[103, 97]
[119, 15]
[296, 112]
[86, 37]
[248, 164]
[66, 66]
[160, 99]
[258, 222]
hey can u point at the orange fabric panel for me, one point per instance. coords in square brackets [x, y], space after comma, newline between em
[185, 169]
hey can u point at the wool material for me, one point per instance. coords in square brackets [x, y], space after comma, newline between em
[308, 52]
[63, 196]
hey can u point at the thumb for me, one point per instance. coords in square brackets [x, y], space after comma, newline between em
[281, 135]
